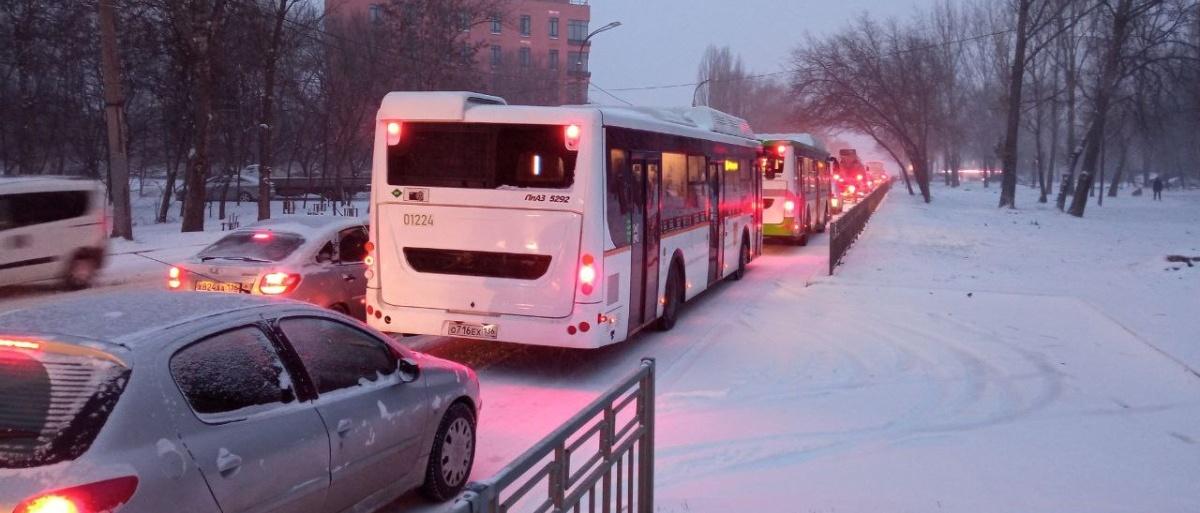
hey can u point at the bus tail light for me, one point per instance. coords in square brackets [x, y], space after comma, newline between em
[91, 498]
[781, 150]
[789, 205]
[274, 284]
[573, 133]
[587, 274]
[173, 280]
[369, 249]
[393, 133]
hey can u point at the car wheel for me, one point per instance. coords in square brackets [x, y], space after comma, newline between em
[674, 299]
[340, 308]
[81, 272]
[453, 454]
[743, 260]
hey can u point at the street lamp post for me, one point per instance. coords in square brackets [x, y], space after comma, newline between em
[583, 45]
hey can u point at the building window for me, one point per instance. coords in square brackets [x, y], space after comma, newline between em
[526, 57]
[577, 30]
[464, 22]
[577, 62]
[553, 59]
[526, 25]
[496, 24]
[375, 13]
[497, 57]
[553, 28]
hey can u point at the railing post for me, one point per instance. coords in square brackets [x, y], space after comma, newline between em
[558, 477]
[646, 446]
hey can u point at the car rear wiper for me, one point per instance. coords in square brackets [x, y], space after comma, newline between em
[240, 259]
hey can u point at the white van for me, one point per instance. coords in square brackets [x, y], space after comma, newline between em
[51, 228]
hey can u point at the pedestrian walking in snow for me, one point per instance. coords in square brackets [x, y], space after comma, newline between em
[1158, 187]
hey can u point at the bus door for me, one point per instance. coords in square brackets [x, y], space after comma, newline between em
[647, 226]
[716, 225]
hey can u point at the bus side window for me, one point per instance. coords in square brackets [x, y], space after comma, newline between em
[619, 205]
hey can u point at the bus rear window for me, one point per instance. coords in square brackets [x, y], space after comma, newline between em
[481, 156]
[54, 404]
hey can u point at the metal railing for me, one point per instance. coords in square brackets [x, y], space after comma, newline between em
[602, 460]
[845, 230]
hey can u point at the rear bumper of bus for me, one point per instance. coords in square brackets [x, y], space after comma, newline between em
[786, 228]
[601, 329]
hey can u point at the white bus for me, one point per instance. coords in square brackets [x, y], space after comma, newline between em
[558, 226]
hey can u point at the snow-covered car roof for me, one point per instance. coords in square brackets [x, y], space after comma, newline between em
[126, 317]
[21, 184]
[305, 224]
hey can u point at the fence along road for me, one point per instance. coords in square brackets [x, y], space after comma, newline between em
[601, 460]
[845, 230]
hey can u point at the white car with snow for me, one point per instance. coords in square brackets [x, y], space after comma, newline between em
[52, 228]
[316, 259]
[212, 403]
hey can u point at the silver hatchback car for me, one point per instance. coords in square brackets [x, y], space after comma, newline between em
[213, 403]
[316, 259]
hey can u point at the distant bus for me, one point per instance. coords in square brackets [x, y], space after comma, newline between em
[558, 226]
[796, 186]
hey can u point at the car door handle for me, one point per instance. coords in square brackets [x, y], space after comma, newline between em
[349, 277]
[228, 463]
[344, 427]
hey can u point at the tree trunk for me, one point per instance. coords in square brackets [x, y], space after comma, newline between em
[118, 129]
[1123, 155]
[193, 208]
[1008, 183]
[265, 128]
[1108, 81]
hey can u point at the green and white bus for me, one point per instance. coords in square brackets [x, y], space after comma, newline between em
[796, 179]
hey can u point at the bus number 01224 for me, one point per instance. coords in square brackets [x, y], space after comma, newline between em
[418, 220]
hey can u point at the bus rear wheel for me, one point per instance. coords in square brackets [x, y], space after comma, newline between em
[743, 260]
[672, 300]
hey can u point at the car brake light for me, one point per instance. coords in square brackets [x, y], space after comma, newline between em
[261, 236]
[573, 133]
[91, 498]
[781, 150]
[173, 278]
[587, 274]
[789, 205]
[393, 133]
[19, 344]
[860, 178]
[274, 284]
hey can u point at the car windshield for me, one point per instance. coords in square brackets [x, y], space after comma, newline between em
[253, 246]
[55, 403]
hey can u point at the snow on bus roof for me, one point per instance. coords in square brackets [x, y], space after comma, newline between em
[700, 122]
[805, 139]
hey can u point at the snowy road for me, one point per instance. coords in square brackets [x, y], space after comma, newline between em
[903, 384]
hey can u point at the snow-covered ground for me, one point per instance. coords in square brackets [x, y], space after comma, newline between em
[964, 358]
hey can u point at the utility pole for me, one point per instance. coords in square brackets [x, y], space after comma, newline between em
[114, 114]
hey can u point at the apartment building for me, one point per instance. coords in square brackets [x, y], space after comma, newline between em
[543, 35]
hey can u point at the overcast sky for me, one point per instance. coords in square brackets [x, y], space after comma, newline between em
[661, 41]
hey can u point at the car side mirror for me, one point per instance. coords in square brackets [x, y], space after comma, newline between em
[409, 370]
